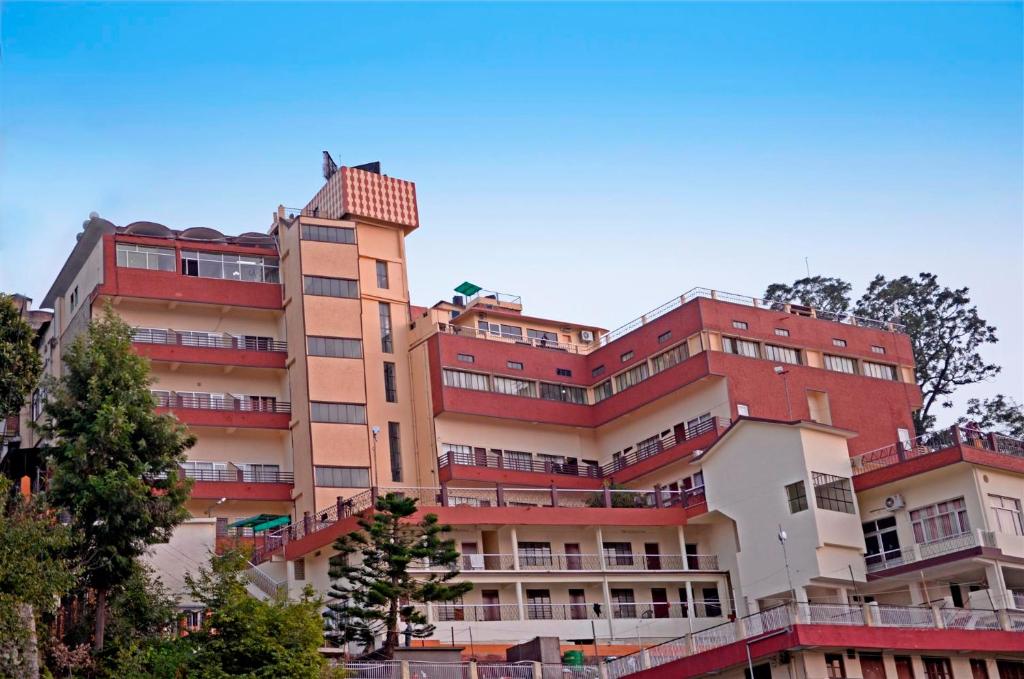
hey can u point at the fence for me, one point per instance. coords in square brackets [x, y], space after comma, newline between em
[933, 442]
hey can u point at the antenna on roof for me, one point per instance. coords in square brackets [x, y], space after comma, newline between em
[330, 167]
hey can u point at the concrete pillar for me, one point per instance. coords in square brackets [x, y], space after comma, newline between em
[473, 671]
[404, 669]
[600, 549]
[996, 585]
[602, 670]
[937, 617]
[554, 495]
[519, 600]
[515, 547]
[681, 535]
[645, 659]
[499, 489]
[691, 610]
[538, 670]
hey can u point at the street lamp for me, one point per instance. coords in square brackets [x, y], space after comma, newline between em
[782, 372]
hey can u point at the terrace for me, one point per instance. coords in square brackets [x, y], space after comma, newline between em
[225, 410]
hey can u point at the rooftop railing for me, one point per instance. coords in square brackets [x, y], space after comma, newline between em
[207, 340]
[933, 442]
[510, 338]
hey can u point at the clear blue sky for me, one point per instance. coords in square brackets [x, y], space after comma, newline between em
[596, 159]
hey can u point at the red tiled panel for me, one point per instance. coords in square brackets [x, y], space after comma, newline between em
[174, 353]
[197, 417]
[464, 472]
[235, 490]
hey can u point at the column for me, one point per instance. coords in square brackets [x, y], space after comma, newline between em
[600, 549]
[681, 534]
[515, 547]
[519, 600]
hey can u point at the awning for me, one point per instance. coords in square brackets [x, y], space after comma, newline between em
[468, 289]
[255, 522]
[273, 523]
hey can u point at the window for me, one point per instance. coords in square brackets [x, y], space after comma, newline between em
[834, 668]
[598, 371]
[1007, 514]
[563, 392]
[840, 364]
[382, 275]
[300, 569]
[563, 372]
[782, 332]
[337, 413]
[618, 553]
[329, 234]
[940, 521]
[664, 337]
[699, 425]
[330, 287]
[623, 603]
[797, 496]
[542, 337]
[390, 383]
[739, 325]
[875, 349]
[514, 365]
[466, 358]
[267, 473]
[334, 347]
[879, 370]
[602, 391]
[937, 668]
[254, 342]
[742, 409]
[833, 493]
[538, 604]
[386, 343]
[515, 459]
[227, 266]
[883, 543]
[510, 331]
[773, 352]
[535, 554]
[395, 448]
[465, 380]
[632, 376]
[649, 446]
[838, 342]
[342, 477]
[73, 302]
[734, 345]
[141, 257]
[514, 387]
[670, 358]
[626, 356]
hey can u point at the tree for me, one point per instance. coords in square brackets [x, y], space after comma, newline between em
[945, 331]
[19, 361]
[114, 461]
[242, 636]
[33, 573]
[1000, 414]
[376, 592]
[819, 292]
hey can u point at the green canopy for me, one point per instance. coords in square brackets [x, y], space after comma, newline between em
[468, 289]
[273, 523]
[259, 521]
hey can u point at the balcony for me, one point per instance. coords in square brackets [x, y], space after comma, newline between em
[570, 611]
[936, 449]
[225, 410]
[217, 348]
[966, 545]
[576, 563]
[238, 483]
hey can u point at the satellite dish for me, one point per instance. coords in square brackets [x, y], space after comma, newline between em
[329, 167]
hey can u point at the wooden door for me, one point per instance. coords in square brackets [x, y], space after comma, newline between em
[904, 668]
[492, 604]
[652, 555]
[659, 597]
[871, 667]
[573, 559]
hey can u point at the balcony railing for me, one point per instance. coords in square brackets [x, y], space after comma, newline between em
[538, 342]
[928, 550]
[531, 610]
[666, 443]
[235, 474]
[582, 562]
[207, 340]
[223, 402]
[934, 442]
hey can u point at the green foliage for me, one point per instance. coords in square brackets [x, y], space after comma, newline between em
[619, 499]
[114, 460]
[946, 332]
[19, 361]
[819, 292]
[375, 591]
[1000, 414]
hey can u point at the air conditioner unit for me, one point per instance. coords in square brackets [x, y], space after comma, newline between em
[586, 336]
[894, 502]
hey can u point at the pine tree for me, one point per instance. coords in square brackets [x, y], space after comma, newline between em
[114, 461]
[374, 590]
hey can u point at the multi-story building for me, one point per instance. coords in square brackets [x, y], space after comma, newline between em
[629, 485]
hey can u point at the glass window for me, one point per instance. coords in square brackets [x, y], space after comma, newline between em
[672, 357]
[883, 543]
[940, 521]
[840, 364]
[382, 274]
[1007, 514]
[466, 358]
[514, 365]
[623, 603]
[387, 344]
[625, 356]
[390, 383]
[739, 325]
[877, 349]
[834, 668]
[602, 391]
[597, 372]
[330, 287]
[134, 256]
[517, 459]
[538, 604]
[465, 380]
[782, 332]
[334, 347]
[563, 372]
[563, 392]
[535, 554]
[395, 448]
[937, 668]
[773, 352]
[632, 376]
[329, 234]
[514, 387]
[664, 337]
[337, 413]
[879, 370]
[833, 493]
[618, 553]
[342, 477]
[229, 266]
[838, 342]
[797, 496]
[734, 345]
[542, 337]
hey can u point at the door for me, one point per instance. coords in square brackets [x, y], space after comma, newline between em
[573, 559]
[871, 667]
[979, 669]
[692, 562]
[472, 560]
[904, 669]
[712, 604]
[659, 597]
[652, 555]
[492, 604]
[577, 604]
[684, 603]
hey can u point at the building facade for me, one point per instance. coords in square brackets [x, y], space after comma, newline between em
[628, 485]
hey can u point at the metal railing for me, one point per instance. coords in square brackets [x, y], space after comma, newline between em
[715, 424]
[537, 342]
[207, 340]
[222, 402]
[263, 582]
[887, 615]
[237, 475]
[473, 612]
[933, 442]
[927, 550]
[965, 618]
[546, 562]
